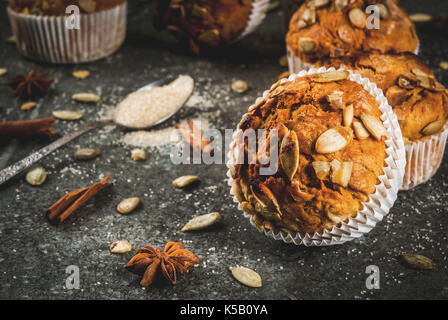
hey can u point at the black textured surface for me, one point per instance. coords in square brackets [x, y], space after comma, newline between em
[34, 255]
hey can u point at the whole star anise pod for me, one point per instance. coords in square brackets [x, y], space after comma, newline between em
[171, 261]
[30, 85]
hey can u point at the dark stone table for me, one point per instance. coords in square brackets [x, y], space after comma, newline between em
[34, 255]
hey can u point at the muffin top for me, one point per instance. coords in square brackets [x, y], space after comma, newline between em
[417, 98]
[58, 7]
[331, 151]
[203, 22]
[322, 28]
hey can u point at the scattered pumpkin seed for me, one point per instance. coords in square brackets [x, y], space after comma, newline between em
[357, 18]
[201, 222]
[333, 140]
[87, 154]
[289, 154]
[340, 3]
[209, 36]
[86, 97]
[28, 106]
[420, 17]
[360, 131]
[128, 205]
[322, 169]
[374, 125]
[81, 74]
[198, 12]
[418, 261]
[384, 12]
[240, 86]
[335, 99]
[330, 76]
[184, 181]
[318, 3]
[120, 246]
[444, 65]
[36, 176]
[309, 16]
[433, 127]
[283, 61]
[307, 44]
[348, 115]
[246, 276]
[138, 154]
[67, 115]
[3, 71]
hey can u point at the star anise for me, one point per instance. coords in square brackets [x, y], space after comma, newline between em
[173, 260]
[30, 85]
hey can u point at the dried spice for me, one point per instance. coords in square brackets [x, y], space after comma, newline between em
[150, 262]
[30, 85]
[69, 203]
[28, 128]
[418, 261]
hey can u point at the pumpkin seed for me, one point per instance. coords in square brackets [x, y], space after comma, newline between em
[444, 65]
[86, 154]
[198, 12]
[36, 176]
[138, 155]
[384, 12]
[318, 3]
[3, 71]
[360, 131]
[418, 261]
[88, 6]
[209, 36]
[420, 17]
[128, 205]
[345, 34]
[240, 86]
[374, 126]
[357, 18]
[81, 74]
[307, 45]
[201, 222]
[433, 127]
[333, 140]
[335, 99]
[28, 106]
[342, 172]
[309, 16]
[185, 181]
[289, 154]
[86, 97]
[120, 246]
[67, 115]
[322, 169]
[330, 76]
[301, 24]
[348, 115]
[341, 3]
[246, 276]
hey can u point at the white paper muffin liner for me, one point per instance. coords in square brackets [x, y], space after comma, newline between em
[295, 64]
[379, 202]
[47, 38]
[423, 159]
[259, 10]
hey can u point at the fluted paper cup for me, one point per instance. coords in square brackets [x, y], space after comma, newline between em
[380, 201]
[423, 159]
[259, 10]
[47, 38]
[295, 64]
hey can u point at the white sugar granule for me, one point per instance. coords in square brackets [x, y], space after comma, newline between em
[143, 108]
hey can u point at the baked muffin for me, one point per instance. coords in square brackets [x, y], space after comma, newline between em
[203, 23]
[335, 28]
[58, 7]
[43, 32]
[417, 98]
[331, 153]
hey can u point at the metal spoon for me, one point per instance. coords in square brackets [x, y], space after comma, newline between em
[13, 170]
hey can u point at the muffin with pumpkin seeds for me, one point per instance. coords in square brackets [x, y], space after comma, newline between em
[336, 28]
[419, 101]
[331, 155]
[204, 24]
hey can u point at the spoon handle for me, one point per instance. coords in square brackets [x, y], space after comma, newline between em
[14, 169]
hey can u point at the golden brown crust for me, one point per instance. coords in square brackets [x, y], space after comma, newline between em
[328, 31]
[416, 102]
[58, 7]
[204, 22]
[302, 200]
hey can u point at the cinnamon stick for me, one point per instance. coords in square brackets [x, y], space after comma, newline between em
[195, 138]
[28, 128]
[65, 206]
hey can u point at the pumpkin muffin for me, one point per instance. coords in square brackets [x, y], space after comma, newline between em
[331, 153]
[45, 32]
[204, 23]
[336, 28]
[417, 98]
[58, 7]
